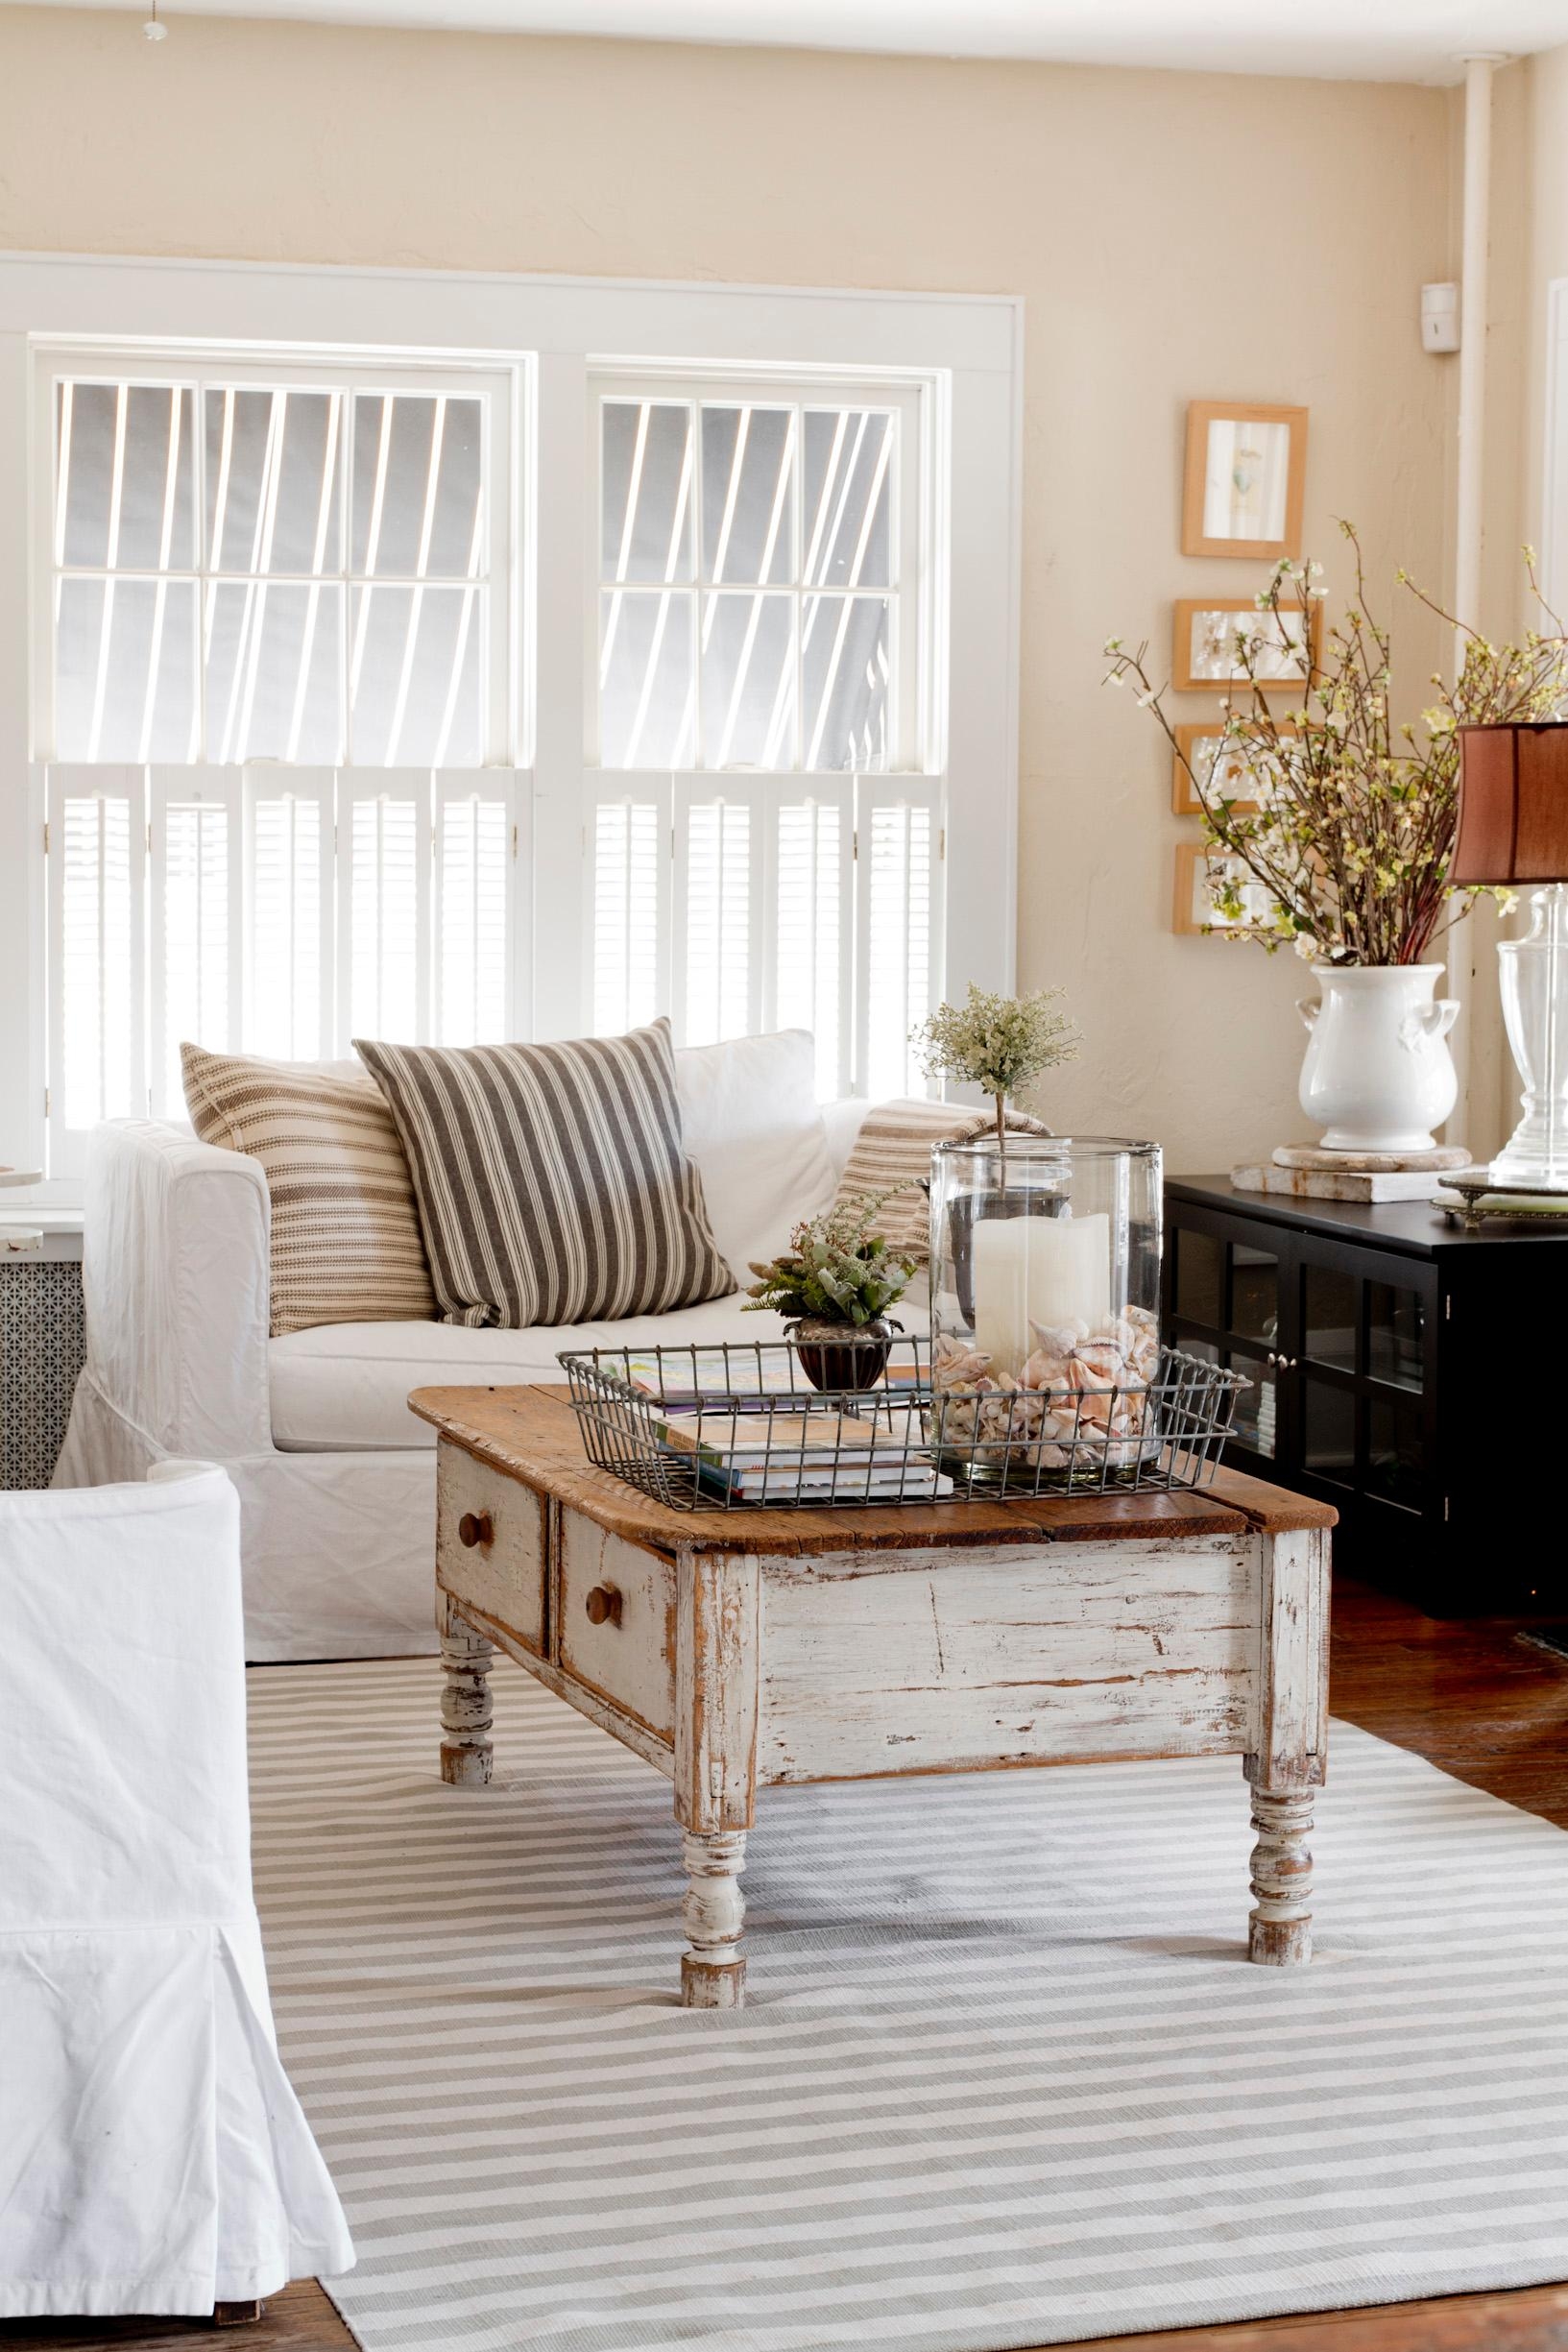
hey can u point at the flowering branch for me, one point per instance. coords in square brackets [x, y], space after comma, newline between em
[1354, 828]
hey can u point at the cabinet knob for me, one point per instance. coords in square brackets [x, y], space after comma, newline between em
[603, 1605]
[475, 1527]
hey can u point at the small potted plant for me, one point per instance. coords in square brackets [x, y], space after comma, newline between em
[998, 1043]
[834, 1285]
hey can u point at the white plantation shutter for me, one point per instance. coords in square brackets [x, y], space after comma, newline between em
[97, 820]
[812, 965]
[290, 965]
[719, 846]
[746, 909]
[627, 839]
[197, 926]
[897, 829]
[384, 856]
[476, 825]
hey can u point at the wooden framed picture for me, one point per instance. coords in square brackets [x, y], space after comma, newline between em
[1246, 479]
[1198, 869]
[1284, 645]
[1197, 747]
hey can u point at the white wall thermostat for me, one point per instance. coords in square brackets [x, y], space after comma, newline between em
[1440, 317]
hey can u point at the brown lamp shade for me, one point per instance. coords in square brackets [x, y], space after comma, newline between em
[1513, 805]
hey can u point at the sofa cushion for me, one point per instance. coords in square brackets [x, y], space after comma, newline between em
[751, 1120]
[345, 1240]
[346, 1389]
[551, 1180]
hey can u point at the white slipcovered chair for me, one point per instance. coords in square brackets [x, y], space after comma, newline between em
[153, 2155]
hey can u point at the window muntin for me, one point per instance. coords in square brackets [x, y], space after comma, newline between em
[279, 569]
[759, 571]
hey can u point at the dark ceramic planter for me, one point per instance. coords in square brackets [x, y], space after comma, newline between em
[838, 1356]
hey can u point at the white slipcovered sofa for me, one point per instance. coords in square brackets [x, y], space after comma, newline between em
[336, 1477]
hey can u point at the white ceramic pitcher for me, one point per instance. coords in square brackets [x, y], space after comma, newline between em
[1378, 1074]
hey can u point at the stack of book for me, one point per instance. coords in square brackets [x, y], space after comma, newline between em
[819, 1457]
[682, 1379]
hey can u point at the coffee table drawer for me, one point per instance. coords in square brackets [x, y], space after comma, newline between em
[618, 1622]
[491, 1542]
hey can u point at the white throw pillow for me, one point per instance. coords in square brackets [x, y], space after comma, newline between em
[751, 1120]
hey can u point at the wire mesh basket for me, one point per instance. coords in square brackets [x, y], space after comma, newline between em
[735, 1426]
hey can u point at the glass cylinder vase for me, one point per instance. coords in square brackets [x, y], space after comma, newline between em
[1044, 1308]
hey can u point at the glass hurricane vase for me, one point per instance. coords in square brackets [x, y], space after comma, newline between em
[1044, 1308]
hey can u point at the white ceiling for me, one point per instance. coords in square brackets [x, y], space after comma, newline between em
[1395, 40]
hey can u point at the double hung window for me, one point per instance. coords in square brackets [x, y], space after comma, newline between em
[452, 695]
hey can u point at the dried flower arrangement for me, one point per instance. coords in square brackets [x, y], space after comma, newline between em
[1355, 828]
[998, 1043]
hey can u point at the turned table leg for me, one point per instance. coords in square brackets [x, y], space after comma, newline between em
[1282, 1880]
[713, 1971]
[1287, 1765]
[465, 1703]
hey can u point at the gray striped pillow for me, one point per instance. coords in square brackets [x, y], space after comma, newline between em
[345, 1237]
[550, 1179]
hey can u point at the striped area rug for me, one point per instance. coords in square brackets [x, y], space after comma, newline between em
[1004, 2079]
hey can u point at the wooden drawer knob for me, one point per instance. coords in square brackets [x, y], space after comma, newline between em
[475, 1527]
[603, 1605]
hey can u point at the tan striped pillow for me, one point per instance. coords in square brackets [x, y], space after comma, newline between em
[346, 1243]
[894, 1147]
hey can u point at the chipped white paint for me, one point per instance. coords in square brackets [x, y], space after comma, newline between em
[630, 1656]
[504, 1573]
[713, 1967]
[719, 1647]
[1010, 1656]
[1288, 1759]
[464, 1700]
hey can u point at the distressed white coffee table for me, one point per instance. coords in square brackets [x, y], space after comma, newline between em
[740, 1650]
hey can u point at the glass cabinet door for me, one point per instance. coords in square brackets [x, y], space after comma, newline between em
[1360, 1376]
[1223, 1299]
[1332, 1341]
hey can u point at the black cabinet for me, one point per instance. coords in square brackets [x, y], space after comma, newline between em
[1374, 1340]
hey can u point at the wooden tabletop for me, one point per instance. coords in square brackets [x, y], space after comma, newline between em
[532, 1434]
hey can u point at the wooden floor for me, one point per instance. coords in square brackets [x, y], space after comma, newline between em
[1473, 1698]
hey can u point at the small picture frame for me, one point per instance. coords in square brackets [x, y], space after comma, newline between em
[1197, 748]
[1204, 653]
[1246, 479]
[1198, 867]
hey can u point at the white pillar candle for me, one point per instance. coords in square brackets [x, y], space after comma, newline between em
[1050, 1271]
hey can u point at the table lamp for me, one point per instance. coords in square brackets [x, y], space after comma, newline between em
[1513, 828]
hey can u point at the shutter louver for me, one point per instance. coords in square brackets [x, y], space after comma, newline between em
[96, 951]
[716, 920]
[810, 918]
[97, 965]
[290, 966]
[473, 899]
[628, 870]
[384, 859]
[195, 851]
[896, 848]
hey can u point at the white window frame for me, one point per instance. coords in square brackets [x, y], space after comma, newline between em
[556, 335]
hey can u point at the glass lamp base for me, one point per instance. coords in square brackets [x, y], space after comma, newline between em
[1534, 989]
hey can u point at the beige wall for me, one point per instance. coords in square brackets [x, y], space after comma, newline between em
[1174, 236]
